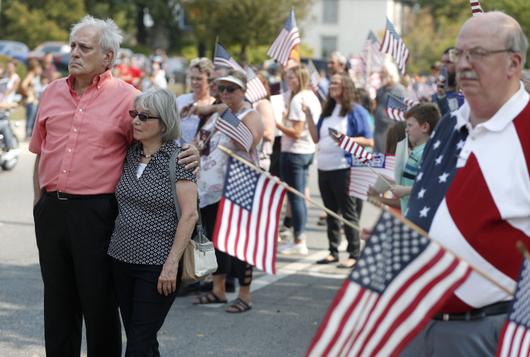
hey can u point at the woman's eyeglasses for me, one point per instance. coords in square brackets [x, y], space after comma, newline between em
[141, 116]
[229, 89]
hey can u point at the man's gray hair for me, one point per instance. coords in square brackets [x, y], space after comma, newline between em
[516, 40]
[110, 35]
[163, 103]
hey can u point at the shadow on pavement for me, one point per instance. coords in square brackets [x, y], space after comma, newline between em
[21, 309]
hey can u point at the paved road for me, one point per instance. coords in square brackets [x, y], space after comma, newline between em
[287, 307]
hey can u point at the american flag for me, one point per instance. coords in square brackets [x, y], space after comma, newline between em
[462, 174]
[397, 107]
[349, 145]
[394, 46]
[247, 219]
[232, 126]
[515, 337]
[222, 58]
[371, 54]
[476, 9]
[255, 89]
[361, 177]
[314, 80]
[395, 287]
[287, 39]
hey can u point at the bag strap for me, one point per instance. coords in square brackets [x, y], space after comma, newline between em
[173, 180]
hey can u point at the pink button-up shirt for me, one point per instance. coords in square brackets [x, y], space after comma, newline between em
[82, 140]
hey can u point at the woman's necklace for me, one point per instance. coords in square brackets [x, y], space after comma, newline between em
[147, 156]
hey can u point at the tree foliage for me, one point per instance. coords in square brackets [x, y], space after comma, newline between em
[241, 23]
[33, 22]
[436, 24]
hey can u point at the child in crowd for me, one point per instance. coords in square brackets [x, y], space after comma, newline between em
[420, 122]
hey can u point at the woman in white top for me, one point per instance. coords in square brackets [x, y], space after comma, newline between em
[297, 151]
[343, 114]
[199, 72]
[214, 162]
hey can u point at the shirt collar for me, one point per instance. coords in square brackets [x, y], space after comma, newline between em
[98, 80]
[501, 118]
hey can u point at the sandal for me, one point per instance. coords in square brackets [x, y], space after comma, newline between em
[238, 306]
[208, 298]
[348, 264]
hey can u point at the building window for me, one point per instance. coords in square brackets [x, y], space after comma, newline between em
[330, 13]
[328, 45]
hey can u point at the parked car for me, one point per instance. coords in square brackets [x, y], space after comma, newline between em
[14, 49]
[54, 47]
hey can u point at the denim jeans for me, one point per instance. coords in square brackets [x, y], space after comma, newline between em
[31, 113]
[294, 170]
[5, 130]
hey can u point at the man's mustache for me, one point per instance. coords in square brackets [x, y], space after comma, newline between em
[466, 75]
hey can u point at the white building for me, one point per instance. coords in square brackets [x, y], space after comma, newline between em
[342, 25]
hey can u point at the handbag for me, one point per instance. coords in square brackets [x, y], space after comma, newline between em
[198, 259]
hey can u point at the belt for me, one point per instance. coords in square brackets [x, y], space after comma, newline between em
[61, 196]
[498, 308]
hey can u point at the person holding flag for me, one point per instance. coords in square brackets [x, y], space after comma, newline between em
[462, 195]
[239, 129]
[341, 113]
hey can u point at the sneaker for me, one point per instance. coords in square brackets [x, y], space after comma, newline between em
[295, 248]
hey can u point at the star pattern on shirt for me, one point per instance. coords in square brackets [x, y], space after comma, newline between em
[443, 177]
[436, 172]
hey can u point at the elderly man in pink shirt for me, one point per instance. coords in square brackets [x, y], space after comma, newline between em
[81, 136]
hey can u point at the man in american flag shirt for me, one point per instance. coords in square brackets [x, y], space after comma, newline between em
[472, 193]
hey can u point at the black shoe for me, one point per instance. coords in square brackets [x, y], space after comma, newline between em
[328, 260]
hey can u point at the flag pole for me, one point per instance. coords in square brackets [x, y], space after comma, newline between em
[426, 234]
[287, 187]
[522, 249]
[215, 47]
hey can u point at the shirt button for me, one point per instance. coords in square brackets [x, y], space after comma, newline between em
[80, 109]
[75, 130]
[69, 150]
[64, 171]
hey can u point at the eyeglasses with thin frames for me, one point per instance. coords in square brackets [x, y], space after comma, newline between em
[474, 54]
[142, 116]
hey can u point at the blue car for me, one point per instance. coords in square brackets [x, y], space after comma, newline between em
[14, 49]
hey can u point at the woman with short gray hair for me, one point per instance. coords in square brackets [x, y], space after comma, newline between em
[148, 238]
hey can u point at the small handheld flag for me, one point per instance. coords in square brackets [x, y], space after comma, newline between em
[394, 46]
[287, 39]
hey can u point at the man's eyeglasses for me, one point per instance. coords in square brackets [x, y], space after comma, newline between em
[229, 89]
[474, 54]
[141, 116]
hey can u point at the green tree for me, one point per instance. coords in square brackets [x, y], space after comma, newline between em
[241, 24]
[447, 18]
[33, 22]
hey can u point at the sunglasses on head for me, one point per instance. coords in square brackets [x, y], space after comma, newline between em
[141, 116]
[229, 89]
